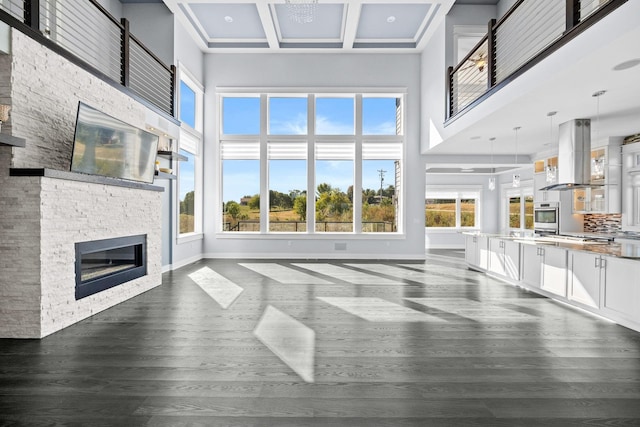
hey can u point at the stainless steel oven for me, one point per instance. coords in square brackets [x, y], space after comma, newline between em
[546, 218]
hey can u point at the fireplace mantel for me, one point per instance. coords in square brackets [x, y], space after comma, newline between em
[82, 177]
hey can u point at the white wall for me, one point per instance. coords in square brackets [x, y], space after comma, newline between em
[504, 6]
[152, 24]
[187, 52]
[114, 7]
[328, 71]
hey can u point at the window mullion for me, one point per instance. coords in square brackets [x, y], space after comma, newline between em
[311, 164]
[357, 170]
[264, 170]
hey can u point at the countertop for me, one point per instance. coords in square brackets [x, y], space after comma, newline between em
[627, 249]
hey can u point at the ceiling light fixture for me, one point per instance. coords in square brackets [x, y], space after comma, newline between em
[627, 64]
[228, 19]
[597, 165]
[301, 11]
[551, 170]
[516, 177]
[391, 19]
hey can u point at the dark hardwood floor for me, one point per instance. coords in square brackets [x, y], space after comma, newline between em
[368, 344]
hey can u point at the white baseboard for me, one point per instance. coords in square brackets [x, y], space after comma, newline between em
[297, 255]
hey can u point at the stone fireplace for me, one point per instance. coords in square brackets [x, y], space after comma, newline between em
[46, 214]
[46, 210]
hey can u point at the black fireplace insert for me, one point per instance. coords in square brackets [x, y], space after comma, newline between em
[103, 264]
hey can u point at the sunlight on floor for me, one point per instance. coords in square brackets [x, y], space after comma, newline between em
[289, 339]
[378, 310]
[222, 290]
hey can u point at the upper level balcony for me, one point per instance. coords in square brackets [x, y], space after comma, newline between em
[87, 34]
[529, 32]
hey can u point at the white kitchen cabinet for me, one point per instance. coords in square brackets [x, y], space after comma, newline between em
[631, 187]
[584, 278]
[504, 258]
[621, 289]
[554, 270]
[470, 250]
[531, 265]
[476, 251]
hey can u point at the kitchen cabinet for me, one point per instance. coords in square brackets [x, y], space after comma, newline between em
[476, 251]
[585, 278]
[621, 289]
[504, 258]
[531, 265]
[545, 267]
[631, 187]
[605, 171]
[540, 180]
[554, 270]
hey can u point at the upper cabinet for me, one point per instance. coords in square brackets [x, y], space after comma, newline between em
[545, 172]
[631, 187]
[606, 170]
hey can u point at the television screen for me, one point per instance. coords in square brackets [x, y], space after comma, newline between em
[106, 146]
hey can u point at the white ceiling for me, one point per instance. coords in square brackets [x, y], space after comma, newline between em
[264, 25]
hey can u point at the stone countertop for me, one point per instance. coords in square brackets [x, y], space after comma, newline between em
[616, 249]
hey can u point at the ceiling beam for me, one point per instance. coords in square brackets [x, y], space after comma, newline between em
[268, 24]
[353, 10]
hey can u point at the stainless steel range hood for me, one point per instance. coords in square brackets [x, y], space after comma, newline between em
[574, 156]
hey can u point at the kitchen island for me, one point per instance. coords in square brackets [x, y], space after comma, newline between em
[600, 277]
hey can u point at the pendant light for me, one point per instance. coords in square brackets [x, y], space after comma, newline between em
[515, 183]
[551, 170]
[492, 178]
[597, 165]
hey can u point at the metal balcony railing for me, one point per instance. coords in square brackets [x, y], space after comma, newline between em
[103, 45]
[530, 31]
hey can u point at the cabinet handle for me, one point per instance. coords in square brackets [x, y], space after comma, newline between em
[603, 263]
[597, 263]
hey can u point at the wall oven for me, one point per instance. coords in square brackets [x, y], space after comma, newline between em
[546, 218]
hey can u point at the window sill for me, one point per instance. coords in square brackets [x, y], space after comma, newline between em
[189, 237]
[308, 236]
[450, 230]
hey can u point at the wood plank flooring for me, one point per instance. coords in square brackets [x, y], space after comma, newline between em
[392, 344]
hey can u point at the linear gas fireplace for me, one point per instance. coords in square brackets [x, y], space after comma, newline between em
[103, 264]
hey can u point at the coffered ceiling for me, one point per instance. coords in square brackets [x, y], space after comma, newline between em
[353, 25]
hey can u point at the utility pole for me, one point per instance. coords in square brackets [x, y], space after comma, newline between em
[381, 172]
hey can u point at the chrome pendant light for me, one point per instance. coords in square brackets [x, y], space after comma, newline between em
[515, 183]
[551, 170]
[492, 178]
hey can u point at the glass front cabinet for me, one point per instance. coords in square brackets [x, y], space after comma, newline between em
[606, 170]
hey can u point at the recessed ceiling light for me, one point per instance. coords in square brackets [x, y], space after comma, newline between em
[627, 64]
[466, 170]
[391, 19]
[228, 19]
[475, 137]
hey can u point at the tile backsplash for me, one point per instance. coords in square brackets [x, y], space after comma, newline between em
[602, 223]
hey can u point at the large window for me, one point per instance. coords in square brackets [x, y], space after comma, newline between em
[292, 163]
[189, 171]
[452, 208]
[518, 208]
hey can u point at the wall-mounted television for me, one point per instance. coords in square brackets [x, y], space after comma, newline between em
[104, 145]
